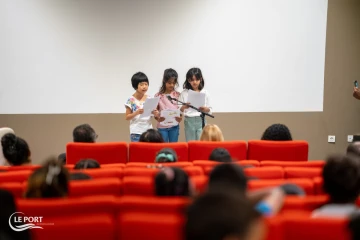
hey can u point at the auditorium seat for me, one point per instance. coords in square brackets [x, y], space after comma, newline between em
[208, 164]
[15, 176]
[135, 185]
[312, 163]
[19, 168]
[101, 186]
[101, 172]
[174, 164]
[305, 184]
[16, 188]
[318, 184]
[104, 153]
[146, 152]
[278, 150]
[301, 172]
[308, 203]
[265, 172]
[199, 150]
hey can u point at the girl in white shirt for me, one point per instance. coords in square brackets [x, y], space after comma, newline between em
[193, 123]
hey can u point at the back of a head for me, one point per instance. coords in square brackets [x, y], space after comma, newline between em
[49, 181]
[86, 164]
[15, 149]
[292, 189]
[277, 132]
[172, 181]
[354, 148]
[220, 155]
[228, 174]
[354, 225]
[223, 215]
[151, 136]
[341, 175]
[84, 133]
[79, 176]
[4, 131]
[166, 155]
[211, 132]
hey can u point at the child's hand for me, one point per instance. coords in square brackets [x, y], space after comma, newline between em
[139, 111]
[156, 113]
[178, 119]
[204, 109]
[186, 106]
[161, 119]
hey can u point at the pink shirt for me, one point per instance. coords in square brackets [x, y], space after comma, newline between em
[164, 103]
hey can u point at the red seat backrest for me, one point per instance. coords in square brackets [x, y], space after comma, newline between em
[101, 186]
[15, 176]
[201, 150]
[265, 172]
[135, 185]
[301, 172]
[315, 164]
[318, 184]
[306, 184]
[308, 203]
[16, 188]
[20, 168]
[146, 152]
[101, 172]
[174, 164]
[104, 153]
[278, 150]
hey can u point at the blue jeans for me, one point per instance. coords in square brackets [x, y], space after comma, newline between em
[134, 137]
[193, 128]
[170, 134]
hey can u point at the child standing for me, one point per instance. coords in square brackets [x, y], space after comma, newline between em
[193, 124]
[134, 107]
[169, 84]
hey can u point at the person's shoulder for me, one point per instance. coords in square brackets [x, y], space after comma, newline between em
[157, 94]
[204, 91]
[130, 100]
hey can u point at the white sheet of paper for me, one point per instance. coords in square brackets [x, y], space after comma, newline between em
[149, 105]
[169, 115]
[197, 99]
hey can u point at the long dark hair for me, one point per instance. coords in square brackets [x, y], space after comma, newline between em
[169, 74]
[198, 75]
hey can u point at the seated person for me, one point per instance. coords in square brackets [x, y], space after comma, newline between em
[353, 148]
[172, 181]
[223, 215]
[151, 136]
[211, 132]
[269, 201]
[4, 131]
[15, 149]
[220, 155]
[341, 176]
[79, 176]
[49, 181]
[83, 133]
[87, 164]
[166, 155]
[277, 132]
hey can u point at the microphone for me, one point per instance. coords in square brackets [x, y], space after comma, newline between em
[170, 98]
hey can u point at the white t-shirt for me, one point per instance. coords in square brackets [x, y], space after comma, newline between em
[335, 210]
[137, 125]
[192, 112]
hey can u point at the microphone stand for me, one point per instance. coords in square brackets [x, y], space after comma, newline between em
[202, 114]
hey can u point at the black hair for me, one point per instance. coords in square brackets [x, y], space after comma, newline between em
[87, 163]
[229, 174]
[172, 181]
[220, 155]
[15, 149]
[221, 214]
[84, 133]
[79, 176]
[341, 175]
[8, 208]
[168, 75]
[277, 132]
[198, 75]
[137, 78]
[62, 158]
[354, 225]
[292, 189]
[152, 136]
[353, 148]
[356, 138]
[166, 155]
[49, 181]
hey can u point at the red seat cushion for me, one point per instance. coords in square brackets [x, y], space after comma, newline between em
[146, 152]
[200, 150]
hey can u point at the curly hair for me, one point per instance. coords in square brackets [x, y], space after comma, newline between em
[277, 132]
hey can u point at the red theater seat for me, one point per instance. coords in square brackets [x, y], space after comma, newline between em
[136, 171]
[16, 188]
[308, 203]
[265, 172]
[174, 164]
[199, 150]
[146, 152]
[306, 184]
[138, 186]
[15, 176]
[101, 186]
[20, 168]
[104, 153]
[314, 164]
[300, 172]
[101, 172]
[278, 150]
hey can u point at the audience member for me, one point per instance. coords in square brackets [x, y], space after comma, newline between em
[341, 176]
[223, 215]
[4, 131]
[15, 149]
[86, 164]
[83, 133]
[49, 181]
[211, 132]
[151, 136]
[79, 176]
[172, 181]
[220, 155]
[277, 132]
[166, 155]
[8, 208]
[354, 148]
[354, 225]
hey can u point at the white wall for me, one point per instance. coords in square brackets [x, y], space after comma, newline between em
[78, 56]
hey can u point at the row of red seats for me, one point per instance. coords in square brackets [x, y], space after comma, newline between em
[131, 217]
[134, 185]
[121, 152]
